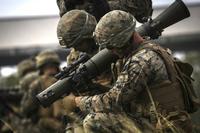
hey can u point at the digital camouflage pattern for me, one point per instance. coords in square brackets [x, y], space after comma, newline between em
[74, 26]
[75, 29]
[109, 123]
[114, 29]
[141, 69]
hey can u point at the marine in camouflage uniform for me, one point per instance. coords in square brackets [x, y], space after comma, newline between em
[23, 69]
[26, 81]
[47, 119]
[75, 30]
[26, 125]
[141, 9]
[146, 93]
[28, 73]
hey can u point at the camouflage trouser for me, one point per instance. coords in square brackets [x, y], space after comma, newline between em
[75, 124]
[121, 123]
[109, 123]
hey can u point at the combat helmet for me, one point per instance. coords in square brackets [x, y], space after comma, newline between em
[74, 26]
[25, 66]
[47, 57]
[62, 7]
[140, 9]
[115, 29]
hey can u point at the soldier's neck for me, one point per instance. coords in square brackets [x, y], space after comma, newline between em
[137, 40]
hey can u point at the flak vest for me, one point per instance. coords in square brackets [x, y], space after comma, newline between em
[172, 94]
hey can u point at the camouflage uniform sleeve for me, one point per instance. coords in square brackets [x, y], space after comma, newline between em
[138, 71]
[29, 102]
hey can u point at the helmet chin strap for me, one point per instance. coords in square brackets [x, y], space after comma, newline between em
[124, 51]
[136, 40]
[132, 45]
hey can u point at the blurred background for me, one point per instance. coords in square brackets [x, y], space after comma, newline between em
[29, 26]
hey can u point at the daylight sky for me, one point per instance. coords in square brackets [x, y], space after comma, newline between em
[24, 8]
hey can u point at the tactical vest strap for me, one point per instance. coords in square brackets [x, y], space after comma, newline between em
[176, 76]
[165, 54]
[167, 93]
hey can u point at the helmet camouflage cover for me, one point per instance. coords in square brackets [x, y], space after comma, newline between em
[25, 66]
[74, 26]
[47, 57]
[62, 7]
[115, 29]
[140, 9]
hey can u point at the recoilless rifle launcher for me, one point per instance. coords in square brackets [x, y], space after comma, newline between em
[77, 79]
